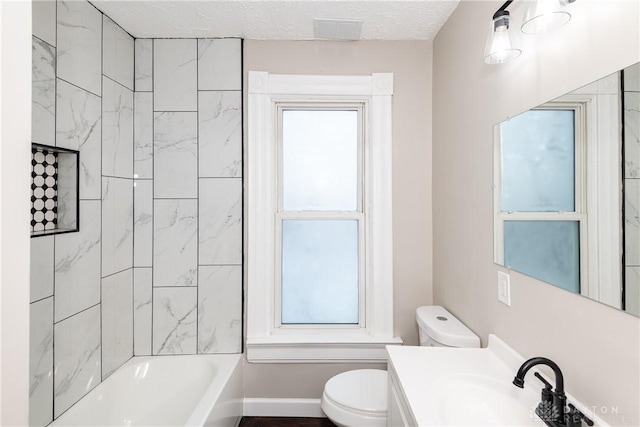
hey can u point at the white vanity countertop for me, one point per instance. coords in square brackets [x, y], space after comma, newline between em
[460, 386]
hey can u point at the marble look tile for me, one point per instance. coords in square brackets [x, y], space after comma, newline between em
[117, 53]
[143, 223]
[174, 320]
[67, 191]
[79, 127]
[175, 155]
[77, 264]
[220, 309]
[632, 78]
[175, 75]
[220, 225]
[43, 93]
[117, 130]
[220, 134]
[632, 221]
[77, 358]
[143, 137]
[632, 290]
[41, 267]
[632, 134]
[117, 225]
[175, 250]
[41, 362]
[80, 44]
[144, 65]
[219, 64]
[43, 20]
[142, 293]
[117, 321]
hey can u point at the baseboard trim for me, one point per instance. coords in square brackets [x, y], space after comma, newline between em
[282, 407]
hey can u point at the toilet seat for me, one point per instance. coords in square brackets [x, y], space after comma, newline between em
[357, 398]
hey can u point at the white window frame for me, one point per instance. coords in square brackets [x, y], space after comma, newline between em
[597, 207]
[267, 340]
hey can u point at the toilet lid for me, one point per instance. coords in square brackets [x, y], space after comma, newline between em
[361, 389]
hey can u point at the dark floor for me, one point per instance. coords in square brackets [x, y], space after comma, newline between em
[284, 422]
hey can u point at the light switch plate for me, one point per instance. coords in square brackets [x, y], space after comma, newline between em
[504, 288]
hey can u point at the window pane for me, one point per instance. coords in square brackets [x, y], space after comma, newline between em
[538, 160]
[319, 160]
[319, 271]
[546, 250]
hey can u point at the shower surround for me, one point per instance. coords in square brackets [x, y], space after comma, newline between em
[156, 267]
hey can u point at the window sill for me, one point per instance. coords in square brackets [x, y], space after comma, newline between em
[318, 349]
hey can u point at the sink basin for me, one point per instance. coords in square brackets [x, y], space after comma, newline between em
[438, 386]
[481, 401]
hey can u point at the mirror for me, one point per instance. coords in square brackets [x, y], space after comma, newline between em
[567, 191]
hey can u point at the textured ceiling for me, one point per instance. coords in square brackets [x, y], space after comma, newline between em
[277, 19]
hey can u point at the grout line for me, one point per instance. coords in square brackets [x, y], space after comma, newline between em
[153, 188]
[117, 177]
[44, 41]
[117, 272]
[101, 186]
[133, 210]
[175, 111]
[198, 193]
[117, 82]
[75, 314]
[80, 87]
[41, 299]
[242, 172]
[53, 320]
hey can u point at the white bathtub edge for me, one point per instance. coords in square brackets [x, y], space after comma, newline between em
[282, 407]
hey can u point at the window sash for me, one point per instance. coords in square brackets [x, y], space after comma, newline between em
[282, 215]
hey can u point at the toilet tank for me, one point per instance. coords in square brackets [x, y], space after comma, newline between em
[439, 328]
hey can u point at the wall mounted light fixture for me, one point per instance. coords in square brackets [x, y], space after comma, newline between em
[541, 16]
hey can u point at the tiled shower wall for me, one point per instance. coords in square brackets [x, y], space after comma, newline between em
[188, 196]
[632, 187]
[82, 283]
[160, 167]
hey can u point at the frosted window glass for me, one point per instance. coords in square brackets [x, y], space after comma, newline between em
[319, 160]
[546, 250]
[538, 161]
[319, 271]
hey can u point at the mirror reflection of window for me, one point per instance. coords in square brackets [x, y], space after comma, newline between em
[538, 151]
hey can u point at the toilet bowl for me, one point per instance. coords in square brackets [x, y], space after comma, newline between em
[358, 398]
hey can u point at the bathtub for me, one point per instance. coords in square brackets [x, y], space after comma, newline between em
[199, 390]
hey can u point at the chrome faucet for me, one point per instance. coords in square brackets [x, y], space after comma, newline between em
[552, 409]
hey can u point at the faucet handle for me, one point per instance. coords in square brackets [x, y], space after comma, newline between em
[547, 385]
[576, 417]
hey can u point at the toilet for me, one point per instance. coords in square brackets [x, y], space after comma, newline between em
[358, 398]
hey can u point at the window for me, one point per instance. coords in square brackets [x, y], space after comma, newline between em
[319, 199]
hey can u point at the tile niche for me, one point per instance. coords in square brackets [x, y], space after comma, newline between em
[54, 190]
